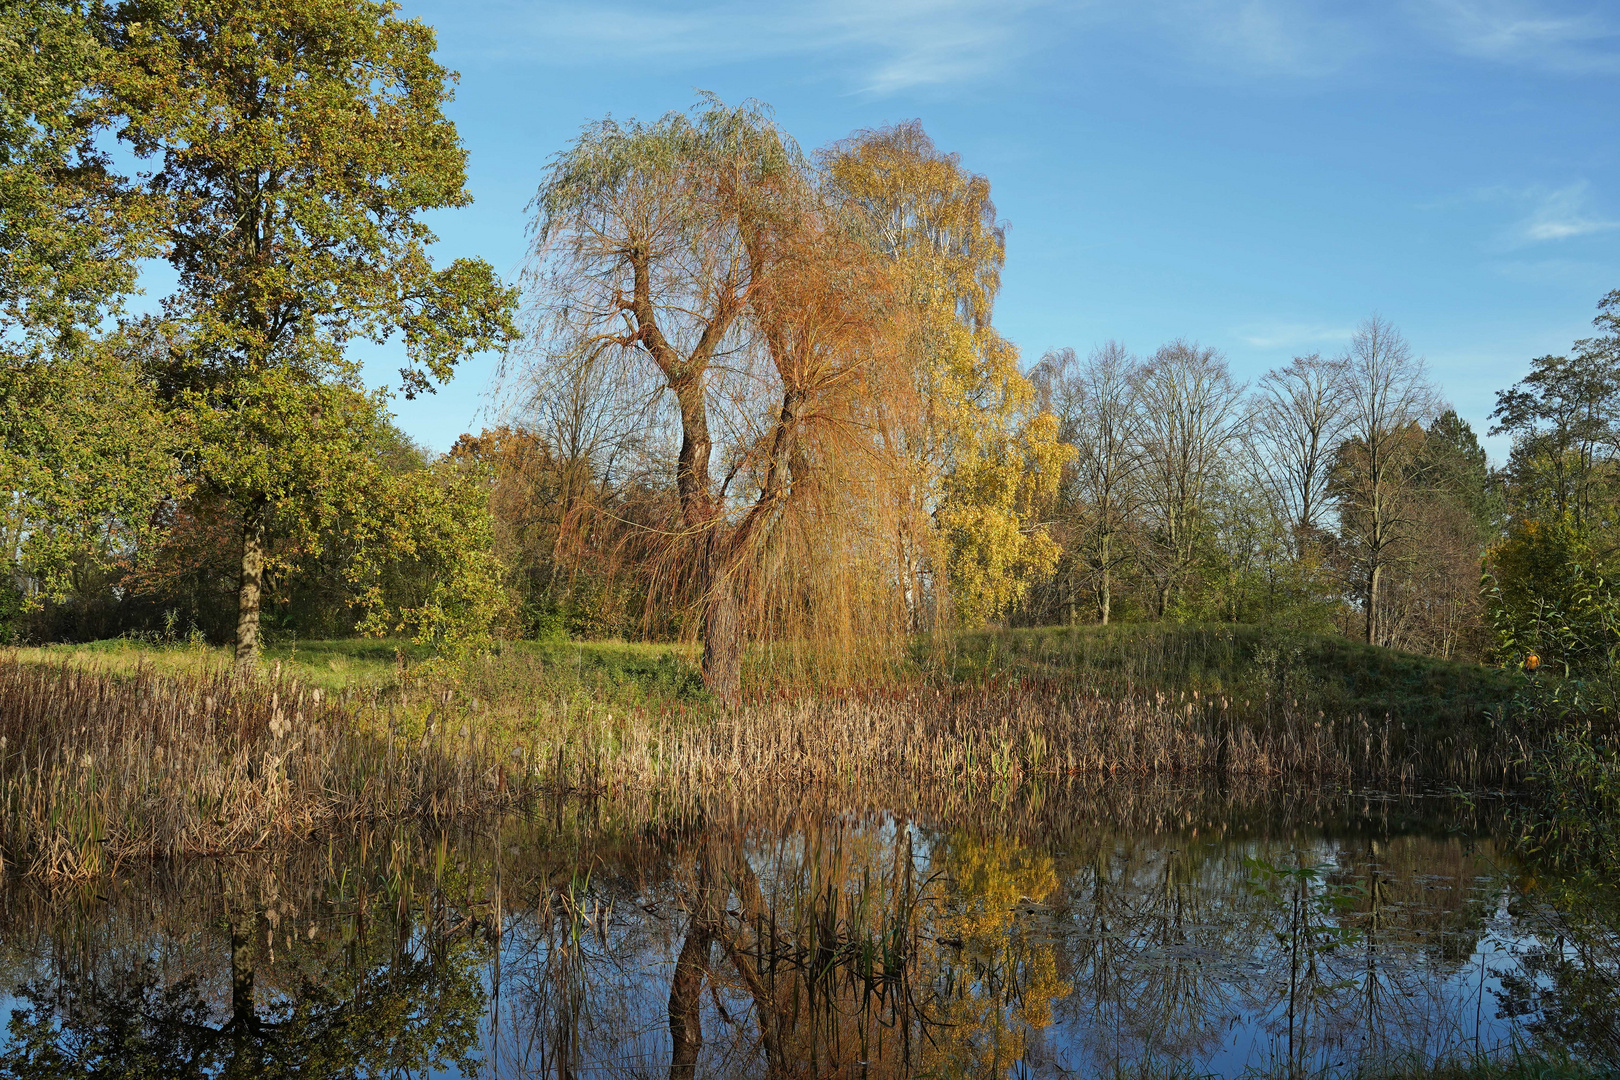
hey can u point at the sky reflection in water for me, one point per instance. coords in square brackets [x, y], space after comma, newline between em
[1048, 934]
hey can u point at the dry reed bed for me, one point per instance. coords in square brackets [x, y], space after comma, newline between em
[95, 769]
[1005, 732]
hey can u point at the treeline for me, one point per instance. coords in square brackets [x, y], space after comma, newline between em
[1181, 495]
[752, 393]
[1339, 492]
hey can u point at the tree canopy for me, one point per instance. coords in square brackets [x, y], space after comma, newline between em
[298, 146]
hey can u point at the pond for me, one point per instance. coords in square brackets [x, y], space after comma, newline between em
[1100, 928]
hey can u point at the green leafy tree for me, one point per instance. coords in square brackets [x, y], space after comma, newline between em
[83, 454]
[1546, 595]
[299, 145]
[71, 229]
[1564, 418]
[86, 458]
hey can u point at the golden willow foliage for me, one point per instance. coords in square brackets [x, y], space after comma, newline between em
[981, 459]
[828, 389]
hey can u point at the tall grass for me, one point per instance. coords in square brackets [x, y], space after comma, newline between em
[97, 769]
[996, 733]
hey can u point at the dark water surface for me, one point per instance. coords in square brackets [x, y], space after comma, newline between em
[1058, 932]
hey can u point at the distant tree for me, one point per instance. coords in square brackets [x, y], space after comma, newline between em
[1299, 418]
[574, 535]
[1244, 571]
[1190, 421]
[1564, 419]
[1545, 596]
[298, 146]
[1548, 587]
[1456, 464]
[1096, 406]
[1377, 469]
[1435, 605]
[573, 467]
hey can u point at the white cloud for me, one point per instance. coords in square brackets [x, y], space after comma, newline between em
[884, 47]
[1270, 37]
[878, 46]
[1560, 214]
[1289, 335]
[1529, 33]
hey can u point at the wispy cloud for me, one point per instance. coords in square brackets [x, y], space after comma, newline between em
[877, 46]
[1259, 37]
[1559, 214]
[1537, 34]
[1291, 335]
[885, 47]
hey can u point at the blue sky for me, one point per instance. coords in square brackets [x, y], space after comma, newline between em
[1257, 174]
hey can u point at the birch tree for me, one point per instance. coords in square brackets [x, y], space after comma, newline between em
[984, 458]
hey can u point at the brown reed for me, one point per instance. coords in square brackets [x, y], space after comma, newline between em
[1003, 732]
[98, 769]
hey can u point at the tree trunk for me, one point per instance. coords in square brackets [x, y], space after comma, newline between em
[1374, 579]
[1107, 581]
[247, 601]
[243, 1026]
[685, 1001]
[722, 643]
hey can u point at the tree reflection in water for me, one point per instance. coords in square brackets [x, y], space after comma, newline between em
[1047, 934]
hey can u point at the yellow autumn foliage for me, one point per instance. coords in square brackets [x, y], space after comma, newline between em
[990, 879]
[984, 459]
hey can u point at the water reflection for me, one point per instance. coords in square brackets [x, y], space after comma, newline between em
[1049, 933]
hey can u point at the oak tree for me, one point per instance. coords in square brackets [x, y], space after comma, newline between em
[297, 146]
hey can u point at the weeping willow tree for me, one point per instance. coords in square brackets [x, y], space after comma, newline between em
[700, 254]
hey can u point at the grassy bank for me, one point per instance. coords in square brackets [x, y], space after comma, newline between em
[1331, 674]
[607, 673]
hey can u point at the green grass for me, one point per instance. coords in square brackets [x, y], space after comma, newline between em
[607, 671]
[612, 673]
[1337, 676]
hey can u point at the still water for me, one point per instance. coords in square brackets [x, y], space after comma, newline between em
[1078, 931]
